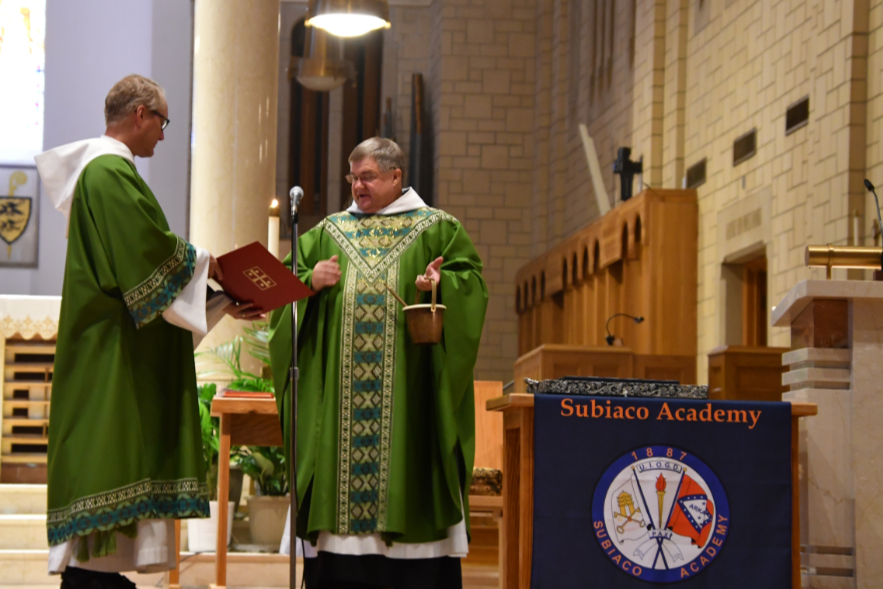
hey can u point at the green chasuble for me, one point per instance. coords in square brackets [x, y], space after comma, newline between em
[386, 429]
[124, 437]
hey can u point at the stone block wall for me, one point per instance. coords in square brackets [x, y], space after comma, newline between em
[406, 51]
[586, 52]
[509, 81]
[482, 84]
[746, 63]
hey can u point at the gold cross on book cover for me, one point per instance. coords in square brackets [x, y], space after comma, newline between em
[253, 275]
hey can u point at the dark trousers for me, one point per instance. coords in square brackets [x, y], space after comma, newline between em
[339, 571]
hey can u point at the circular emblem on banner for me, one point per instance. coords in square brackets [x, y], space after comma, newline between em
[660, 514]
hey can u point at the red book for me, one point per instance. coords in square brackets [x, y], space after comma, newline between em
[254, 275]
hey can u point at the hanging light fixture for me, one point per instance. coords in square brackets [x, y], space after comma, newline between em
[318, 71]
[348, 18]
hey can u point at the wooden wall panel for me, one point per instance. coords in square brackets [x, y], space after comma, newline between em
[746, 373]
[641, 259]
[659, 367]
[488, 426]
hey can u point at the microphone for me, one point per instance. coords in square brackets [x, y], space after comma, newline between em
[610, 337]
[296, 193]
[870, 187]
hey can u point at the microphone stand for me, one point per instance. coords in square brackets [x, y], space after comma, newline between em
[293, 376]
[610, 337]
[870, 187]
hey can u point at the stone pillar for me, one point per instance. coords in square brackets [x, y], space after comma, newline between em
[837, 342]
[236, 77]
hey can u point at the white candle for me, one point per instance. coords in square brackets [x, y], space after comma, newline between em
[273, 229]
[855, 225]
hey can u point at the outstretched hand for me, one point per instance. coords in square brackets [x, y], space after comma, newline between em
[244, 311]
[433, 271]
[326, 273]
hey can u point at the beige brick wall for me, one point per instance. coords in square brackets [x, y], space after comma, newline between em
[874, 116]
[510, 80]
[482, 84]
[406, 51]
[585, 74]
[744, 68]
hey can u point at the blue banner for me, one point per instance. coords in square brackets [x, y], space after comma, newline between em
[630, 491]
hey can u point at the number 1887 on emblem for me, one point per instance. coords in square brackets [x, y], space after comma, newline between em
[660, 514]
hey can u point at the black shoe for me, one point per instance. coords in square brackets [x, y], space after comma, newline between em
[75, 578]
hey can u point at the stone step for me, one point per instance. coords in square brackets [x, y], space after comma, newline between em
[23, 499]
[23, 532]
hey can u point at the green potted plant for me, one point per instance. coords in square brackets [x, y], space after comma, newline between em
[268, 509]
[224, 363]
[266, 466]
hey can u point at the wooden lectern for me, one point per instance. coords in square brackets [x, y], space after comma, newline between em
[551, 361]
[518, 449]
[745, 373]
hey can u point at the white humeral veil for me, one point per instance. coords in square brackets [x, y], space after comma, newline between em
[153, 550]
[455, 545]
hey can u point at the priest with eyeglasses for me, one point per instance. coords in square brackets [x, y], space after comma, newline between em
[386, 428]
[125, 448]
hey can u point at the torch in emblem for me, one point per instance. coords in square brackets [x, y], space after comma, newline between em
[660, 493]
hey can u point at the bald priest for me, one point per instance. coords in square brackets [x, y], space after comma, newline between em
[386, 436]
[125, 449]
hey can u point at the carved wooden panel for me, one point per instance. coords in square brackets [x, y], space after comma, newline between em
[640, 258]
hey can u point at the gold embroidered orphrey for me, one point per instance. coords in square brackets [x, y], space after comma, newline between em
[260, 278]
[373, 245]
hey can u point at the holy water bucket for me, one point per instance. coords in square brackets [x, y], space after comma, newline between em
[425, 322]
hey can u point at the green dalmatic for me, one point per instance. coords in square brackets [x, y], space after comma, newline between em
[124, 437]
[386, 429]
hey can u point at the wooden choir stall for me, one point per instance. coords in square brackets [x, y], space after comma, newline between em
[639, 259]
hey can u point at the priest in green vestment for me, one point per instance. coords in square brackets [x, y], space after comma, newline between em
[386, 428]
[125, 449]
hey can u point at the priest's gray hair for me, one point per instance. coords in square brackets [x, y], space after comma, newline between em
[387, 153]
[130, 93]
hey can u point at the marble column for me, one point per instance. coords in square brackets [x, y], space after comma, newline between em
[235, 89]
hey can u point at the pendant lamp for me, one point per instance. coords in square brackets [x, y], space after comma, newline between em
[348, 18]
[318, 71]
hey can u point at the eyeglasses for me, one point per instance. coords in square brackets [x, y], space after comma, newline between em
[165, 120]
[365, 178]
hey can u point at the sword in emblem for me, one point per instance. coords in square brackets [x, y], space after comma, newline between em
[677, 492]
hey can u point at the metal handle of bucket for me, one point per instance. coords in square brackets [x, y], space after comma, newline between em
[432, 282]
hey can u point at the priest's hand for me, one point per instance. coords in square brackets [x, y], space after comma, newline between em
[326, 273]
[214, 269]
[244, 311]
[433, 271]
